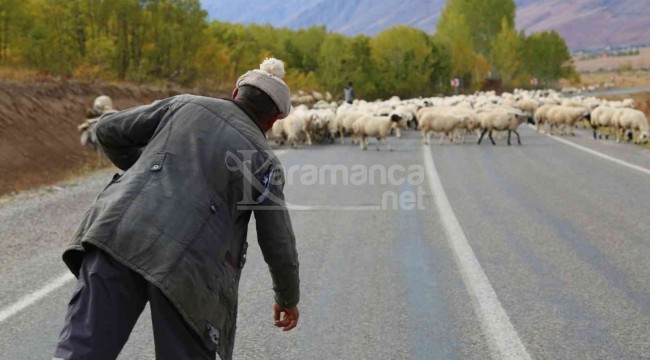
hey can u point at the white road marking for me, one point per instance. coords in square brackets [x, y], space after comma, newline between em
[334, 207]
[502, 336]
[599, 154]
[53, 285]
[37, 295]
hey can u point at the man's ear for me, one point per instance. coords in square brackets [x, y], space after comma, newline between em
[234, 93]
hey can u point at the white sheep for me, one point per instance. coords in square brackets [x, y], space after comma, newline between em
[439, 120]
[408, 111]
[375, 126]
[469, 124]
[345, 120]
[403, 124]
[528, 106]
[298, 99]
[566, 116]
[633, 120]
[324, 124]
[277, 132]
[297, 127]
[541, 116]
[601, 117]
[500, 119]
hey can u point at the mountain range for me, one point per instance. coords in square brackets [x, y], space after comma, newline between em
[585, 24]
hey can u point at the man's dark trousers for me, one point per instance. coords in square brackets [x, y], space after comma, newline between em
[105, 306]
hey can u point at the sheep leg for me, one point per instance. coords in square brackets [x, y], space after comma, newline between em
[342, 136]
[509, 134]
[490, 136]
[481, 137]
[518, 138]
[425, 137]
[442, 138]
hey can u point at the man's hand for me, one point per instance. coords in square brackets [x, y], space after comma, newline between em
[289, 320]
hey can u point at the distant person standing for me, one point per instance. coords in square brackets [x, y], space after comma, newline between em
[348, 93]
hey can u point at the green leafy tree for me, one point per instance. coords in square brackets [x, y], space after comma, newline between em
[404, 59]
[171, 40]
[302, 48]
[546, 57]
[506, 52]
[12, 25]
[454, 31]
[441, 72]
[485, 17]
[336, 60]
[456, 35]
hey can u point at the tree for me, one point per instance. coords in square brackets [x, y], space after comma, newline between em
[336, 59]
[454, 31]
[404, 59]
[442, 69]
[546, 57]
[485, 17]
[302, 48]
[506, 54]
[12, 15]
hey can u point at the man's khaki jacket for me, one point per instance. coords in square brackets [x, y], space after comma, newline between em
[195, 169]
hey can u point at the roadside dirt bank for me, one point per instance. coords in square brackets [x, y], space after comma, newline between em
[39, 141]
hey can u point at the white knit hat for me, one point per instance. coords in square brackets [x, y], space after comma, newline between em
[268, 78]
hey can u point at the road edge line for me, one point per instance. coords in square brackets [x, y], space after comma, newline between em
[501, 334]
[598, 153]
[37, 295]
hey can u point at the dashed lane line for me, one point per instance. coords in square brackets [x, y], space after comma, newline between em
[495, 323]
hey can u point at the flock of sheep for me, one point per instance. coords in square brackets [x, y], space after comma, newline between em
[458, 117]
[455, 118]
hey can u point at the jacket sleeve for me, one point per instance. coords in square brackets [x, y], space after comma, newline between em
[278, 245]
[123, 134]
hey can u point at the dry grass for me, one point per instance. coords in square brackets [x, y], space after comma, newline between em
[18, 74]
[623, 72]
[623, 79]
[615, 63]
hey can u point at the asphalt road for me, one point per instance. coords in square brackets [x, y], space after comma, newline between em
[618, 91]
[542, 253]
